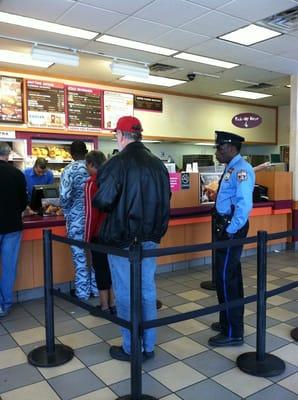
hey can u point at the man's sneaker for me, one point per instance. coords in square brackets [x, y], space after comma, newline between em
[118, 353]
[148, 355]
[221, 340]
[3, 312]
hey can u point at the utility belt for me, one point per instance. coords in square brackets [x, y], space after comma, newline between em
[221, 222]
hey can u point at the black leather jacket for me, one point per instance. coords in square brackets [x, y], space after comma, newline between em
[134, 190]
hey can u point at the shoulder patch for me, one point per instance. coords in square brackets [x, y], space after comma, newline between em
[242, 175]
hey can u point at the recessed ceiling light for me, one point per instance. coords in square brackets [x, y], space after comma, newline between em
[16, 57]
[288, 86]
[245, 94]
[250, 34]
[153, 80]
[205, 60]
[135, 45]
[46, 26]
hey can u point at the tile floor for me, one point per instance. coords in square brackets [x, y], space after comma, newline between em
[185, 367]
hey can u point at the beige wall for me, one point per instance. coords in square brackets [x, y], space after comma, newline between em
[284, 125]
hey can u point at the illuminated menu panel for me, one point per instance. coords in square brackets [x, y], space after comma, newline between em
[83, 108]
[116, 105]
[46, 104]
[11, 99]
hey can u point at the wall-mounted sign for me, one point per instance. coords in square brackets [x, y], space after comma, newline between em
[11, 99]
[247, 120]
[7, 134]
[175, 181]
[147, 103]
[116, 105]
[83, 108]
[185, 180]
[46, 104]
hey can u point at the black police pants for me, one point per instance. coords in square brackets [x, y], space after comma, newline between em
[229, 284]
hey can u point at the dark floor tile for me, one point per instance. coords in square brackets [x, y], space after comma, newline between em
[209, 363]
[172, 301]
[7, 342]
[94, 354]
[272, 342]
[161, 359]
[202, 337]
[107, 332]
[17, 312]
[20, 324]
[149, 386]
[177, 288]
[75, 384]
[291, 306]
[3, 331]
[252, 321]
[68, 326]
[289, 370]
[18, 376]
[207, 389]
[274, 392]
[165, 334]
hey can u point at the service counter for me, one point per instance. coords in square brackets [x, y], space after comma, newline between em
[190, 225]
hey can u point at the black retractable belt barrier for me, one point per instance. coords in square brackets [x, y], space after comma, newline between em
[260, 363]
[50, 355]
[135, 258]
[210, 285]
[294, 334]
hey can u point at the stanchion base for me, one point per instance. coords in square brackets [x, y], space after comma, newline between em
[209, 285]
[143, 397]
[40, 358]
[271, 366]
[294, 334]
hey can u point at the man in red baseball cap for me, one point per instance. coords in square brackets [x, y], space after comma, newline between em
[134, 190]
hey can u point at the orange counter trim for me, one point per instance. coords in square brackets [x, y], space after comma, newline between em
[282, 211]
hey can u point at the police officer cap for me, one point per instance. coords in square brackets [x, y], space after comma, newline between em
[227, 137]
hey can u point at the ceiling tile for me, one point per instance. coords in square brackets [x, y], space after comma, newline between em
[278, 45]
[210, 3]
[276, 63]
[179, 39]
[125, 7]
[216, 48]
[171, 12]
[255, 10]
[138, 29]
[251, 74]
[36, 36]
[49, 11]
[214, 24]
[91, 18]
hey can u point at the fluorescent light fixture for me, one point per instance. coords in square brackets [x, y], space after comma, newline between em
[247, 82]
[245, 94]
[137, 70]
[207, 75]
[204, 144]
[250, 34]
[46, 26]
[16, 57]
[205, 60]
[135, 45]
[153, 80]
[53, 55]
[288, 86]
[150, 141]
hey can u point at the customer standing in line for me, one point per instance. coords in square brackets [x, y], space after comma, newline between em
[134, 190]
[73, 180]
[94, 219]
[233, 204]
[13, 201]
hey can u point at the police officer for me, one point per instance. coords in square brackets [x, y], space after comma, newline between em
[232, 207]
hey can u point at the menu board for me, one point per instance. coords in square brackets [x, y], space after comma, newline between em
[11, 99]
[83, 108]
[46, 104]
[116, 105]
[147, 103]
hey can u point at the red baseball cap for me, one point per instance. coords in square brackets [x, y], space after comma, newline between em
[128, 124]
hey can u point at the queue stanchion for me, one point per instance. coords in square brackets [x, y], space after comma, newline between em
[260, 363]
[50, 355]
[135, 257]
[210, 285]
[294, 334]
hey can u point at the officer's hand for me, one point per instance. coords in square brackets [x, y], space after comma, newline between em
[227, 236]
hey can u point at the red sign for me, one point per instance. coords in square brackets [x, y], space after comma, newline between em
[247, 120]
[175, 181]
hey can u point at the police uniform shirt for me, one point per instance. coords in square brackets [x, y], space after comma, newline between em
[236, 189]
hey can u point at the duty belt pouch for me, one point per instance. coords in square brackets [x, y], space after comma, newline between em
[222, 221]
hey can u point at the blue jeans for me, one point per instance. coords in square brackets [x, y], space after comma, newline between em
[120, 271]
[9, 250]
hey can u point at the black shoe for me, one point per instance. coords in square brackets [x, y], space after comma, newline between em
[215, 326]
[158, 304]
[113, 310]
[221, 340]
[118, 353]
[72, 293]
[148, 355]
[106, 311]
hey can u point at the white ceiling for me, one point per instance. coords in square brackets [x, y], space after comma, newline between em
[185, 25]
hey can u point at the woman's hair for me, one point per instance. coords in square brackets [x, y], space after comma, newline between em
[96, 158]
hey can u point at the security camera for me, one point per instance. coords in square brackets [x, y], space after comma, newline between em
[191, 77]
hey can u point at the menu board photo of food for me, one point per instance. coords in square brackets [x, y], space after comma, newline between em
[11, 99]
[83, 108]
[208, 186]
[46, 104]
[115, 106]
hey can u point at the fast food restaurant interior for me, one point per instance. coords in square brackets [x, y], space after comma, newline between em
[185, 68]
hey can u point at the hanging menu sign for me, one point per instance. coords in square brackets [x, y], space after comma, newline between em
[116, 105]
[46, 104]
[11, 99]
[147, 103]
[83, 108]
